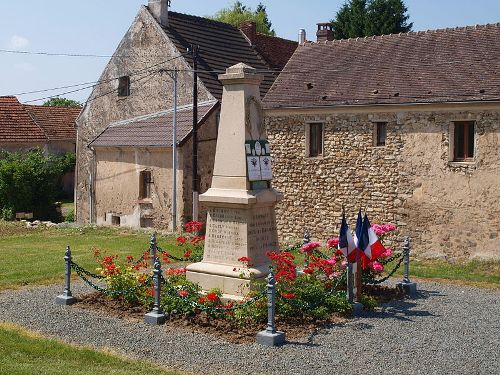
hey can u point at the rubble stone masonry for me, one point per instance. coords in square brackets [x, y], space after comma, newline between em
[449, 209]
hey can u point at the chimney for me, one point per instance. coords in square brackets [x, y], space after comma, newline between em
[325, 32]
[302, 36]
[159, 10]
[249, 28]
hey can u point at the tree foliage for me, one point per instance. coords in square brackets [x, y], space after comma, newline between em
[62, 102]
[31, 182]
[359, 18]
[237, 13]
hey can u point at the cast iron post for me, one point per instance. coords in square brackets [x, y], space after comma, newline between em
[306, 240]
[156, 316]
[153, 249]
[67, 297]
[271, 337]
[406, 285]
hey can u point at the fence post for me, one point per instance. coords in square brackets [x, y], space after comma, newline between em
[156, 316]
[406, 285]
[270, 336]
[67, 297]
[306, 240]
[153, 248]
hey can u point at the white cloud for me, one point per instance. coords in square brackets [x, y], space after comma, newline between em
[18, 42]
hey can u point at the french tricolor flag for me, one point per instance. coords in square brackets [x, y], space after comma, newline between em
[368, 241]
[346, 245]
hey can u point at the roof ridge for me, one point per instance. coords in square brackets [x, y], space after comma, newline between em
[203, 19]
[442, 30]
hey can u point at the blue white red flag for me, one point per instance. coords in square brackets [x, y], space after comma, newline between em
[346, 242]
[368, 241]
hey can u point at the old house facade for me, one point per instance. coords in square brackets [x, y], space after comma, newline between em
[404, 126]
[124, 162]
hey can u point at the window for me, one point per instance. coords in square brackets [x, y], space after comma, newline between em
[463, 145]
[145, 182]
[115, 220]
[380, 133]
[315, 140]
[124, 86]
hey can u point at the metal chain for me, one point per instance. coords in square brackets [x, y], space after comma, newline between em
[331, 292]
[175, 293]
[78, 268]
[82, 273]
[380, 281]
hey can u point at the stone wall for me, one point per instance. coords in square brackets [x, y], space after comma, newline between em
[449, 209]
[144, 45]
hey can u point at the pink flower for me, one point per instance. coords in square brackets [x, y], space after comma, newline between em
[389, 227]
[332, 242]
[332, 261]
[308, 248]
[343, 265]
[387, 253]
[378, 229]
[376, 267]
[183, 293]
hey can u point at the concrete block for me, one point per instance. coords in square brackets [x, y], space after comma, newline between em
[65, 300]
[408, 288]
[271, 339]
[155, 319]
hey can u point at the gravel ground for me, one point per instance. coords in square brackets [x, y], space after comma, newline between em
[447, 329]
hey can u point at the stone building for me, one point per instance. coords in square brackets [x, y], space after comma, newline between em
[124, 162]
[404, 126]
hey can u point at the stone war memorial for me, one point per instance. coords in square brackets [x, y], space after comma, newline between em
[241, 220]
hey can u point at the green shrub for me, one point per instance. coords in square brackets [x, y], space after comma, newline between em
[70, 216]
[7, 214]
[31, 181]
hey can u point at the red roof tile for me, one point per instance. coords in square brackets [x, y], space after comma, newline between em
[153, 130]
[57, 122]
[16, 126]
[451, 65]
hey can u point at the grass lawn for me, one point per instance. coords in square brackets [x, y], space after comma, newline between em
[23, 352]
[35, 256]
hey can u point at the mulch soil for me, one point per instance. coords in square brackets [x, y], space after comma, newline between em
[295, 328]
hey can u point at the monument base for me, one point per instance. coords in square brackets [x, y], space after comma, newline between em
[65, 300]
[225, 277]
[155, 319]
[408, 288]
[271, 339]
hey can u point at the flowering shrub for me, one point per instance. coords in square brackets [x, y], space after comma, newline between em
[191, 241]
[124, 278]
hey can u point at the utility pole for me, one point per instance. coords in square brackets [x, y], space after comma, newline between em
[194, 52]
[173, 75]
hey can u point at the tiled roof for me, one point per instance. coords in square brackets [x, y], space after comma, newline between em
[16, 125]
[32, 123]
[153, 130]
[220, 46]
[57, 122]
[451, 65]
[276, 51]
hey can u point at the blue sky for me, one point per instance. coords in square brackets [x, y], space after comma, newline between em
[96, 27]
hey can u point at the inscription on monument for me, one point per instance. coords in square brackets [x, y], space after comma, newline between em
[225, 241]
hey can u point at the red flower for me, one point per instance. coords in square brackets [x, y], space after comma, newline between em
[196, 239]
[212, 297]
[332, 242]
[183, 293]
[288, 295]
[244, 259]
[202, 300]
[187, 254]
[181, 240]
[130, 259]
[309, 271]
[193, 226]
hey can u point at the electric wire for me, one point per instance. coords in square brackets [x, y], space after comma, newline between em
[57, 54]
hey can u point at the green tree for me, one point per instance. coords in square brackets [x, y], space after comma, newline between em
[359, 18]
[238, 13]
[31, 182]
[62, 102]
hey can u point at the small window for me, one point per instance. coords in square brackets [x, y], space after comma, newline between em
[380, 133]
[463, 141]
[315, 139]
[115, 220]
[124, 86]
[145, 182]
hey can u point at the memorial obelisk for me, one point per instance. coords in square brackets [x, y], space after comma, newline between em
[241, 220]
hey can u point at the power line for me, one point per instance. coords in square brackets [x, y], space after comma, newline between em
[96, 83]
[58, 54]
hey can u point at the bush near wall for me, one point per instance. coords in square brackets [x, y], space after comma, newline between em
[31, 182]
